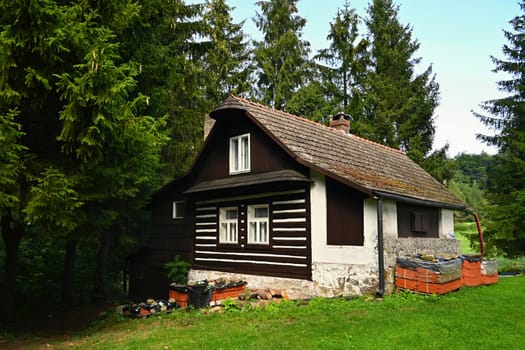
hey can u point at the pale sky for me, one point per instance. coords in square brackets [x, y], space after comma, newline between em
[456, 36]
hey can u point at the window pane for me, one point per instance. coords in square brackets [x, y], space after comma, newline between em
[261, 212]
[245, 156]
[263, 231]
[231, 214]
[258, 224]
[234, 149]
[178, 210]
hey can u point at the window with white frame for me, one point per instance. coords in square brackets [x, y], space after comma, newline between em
[228, 224]
[240, 154]
[178, 210]
[258, 227]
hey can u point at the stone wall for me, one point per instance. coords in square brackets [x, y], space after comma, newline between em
[329, 280]
[395, 247]
[333, 280]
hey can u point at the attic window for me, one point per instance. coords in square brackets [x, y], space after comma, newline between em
[240, 154]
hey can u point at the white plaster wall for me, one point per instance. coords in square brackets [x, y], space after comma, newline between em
[324, 253]
[446, 223]
[343, 270]
[389, 218]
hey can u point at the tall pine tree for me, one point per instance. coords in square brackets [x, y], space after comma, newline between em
[282, 56]
[505, 227]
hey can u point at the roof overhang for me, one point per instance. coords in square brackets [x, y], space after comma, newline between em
[239, 181]
[418, 201]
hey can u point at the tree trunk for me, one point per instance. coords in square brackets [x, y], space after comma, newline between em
[68, 293]
[99, 287]
[12, 235]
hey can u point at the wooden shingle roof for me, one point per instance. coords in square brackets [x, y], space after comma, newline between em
[362, 164]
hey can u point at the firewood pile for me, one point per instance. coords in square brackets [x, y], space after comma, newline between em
[263, 294]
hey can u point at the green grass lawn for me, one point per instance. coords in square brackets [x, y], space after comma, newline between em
[464, 230]
[486, 317]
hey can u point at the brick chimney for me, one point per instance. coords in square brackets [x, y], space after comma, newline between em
[341, 121]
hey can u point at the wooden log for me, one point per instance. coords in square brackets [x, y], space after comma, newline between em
[260, 294]
[278, 293]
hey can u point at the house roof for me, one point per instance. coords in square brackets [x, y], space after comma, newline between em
[362, 164]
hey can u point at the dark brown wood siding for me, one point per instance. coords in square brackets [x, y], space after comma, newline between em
[344, 214]
[172, 234]
[265, 154]
[288, 251]
[168, 237]
[417, 221]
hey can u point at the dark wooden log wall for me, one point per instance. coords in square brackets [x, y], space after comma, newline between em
[288, 251]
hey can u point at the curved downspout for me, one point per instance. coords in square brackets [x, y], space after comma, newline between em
[380, 248]
[480, 231]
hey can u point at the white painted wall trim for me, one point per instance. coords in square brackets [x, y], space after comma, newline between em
[324, 253]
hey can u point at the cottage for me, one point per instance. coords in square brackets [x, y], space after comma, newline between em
[279, 200]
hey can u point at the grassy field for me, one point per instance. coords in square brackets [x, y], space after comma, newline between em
[486, 317]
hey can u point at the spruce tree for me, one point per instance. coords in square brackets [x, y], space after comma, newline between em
[346, 58]
[398, 104]
[505, 225]
[161, 40]
[227, 67]
[82, 151]
[282, 56]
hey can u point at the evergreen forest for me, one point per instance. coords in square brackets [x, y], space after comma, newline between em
[103, 102]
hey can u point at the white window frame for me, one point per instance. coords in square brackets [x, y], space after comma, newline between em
[255, 224]
[178, 210]
[241, 163]
[228, 228]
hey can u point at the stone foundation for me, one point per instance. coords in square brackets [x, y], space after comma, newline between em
[333, 280]
[295, 288]
[329, 280]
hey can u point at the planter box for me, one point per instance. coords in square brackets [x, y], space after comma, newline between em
[180, 295]
[228, 292]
